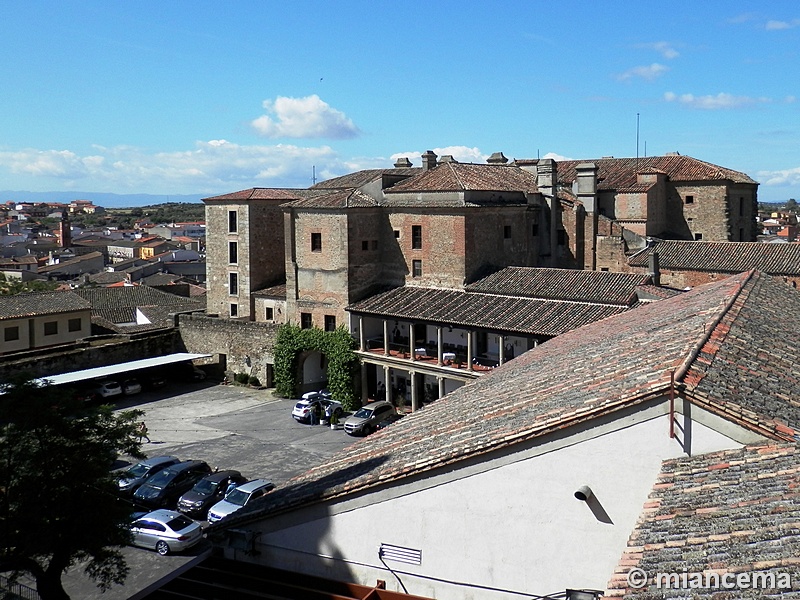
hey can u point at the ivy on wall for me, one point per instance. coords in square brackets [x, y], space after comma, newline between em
[336, 345]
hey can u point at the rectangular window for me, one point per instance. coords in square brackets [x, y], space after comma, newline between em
[74, 324]
[535, 229]
[506, 232]
[233, 221]
[330, 323]
[416, 237]
[364, 245]
[234, 310]
[11, 334]
[306, 321]
[51, 328]
[233, 252]
[741, 207]
[233, 284]
[562, 237]
[316, 242]
[698, 237]
[689, 199]
[397, 234]
[416, 268]
[269, 313]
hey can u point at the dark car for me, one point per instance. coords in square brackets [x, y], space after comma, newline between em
[207, 492]
[131, 478]
[164, 488]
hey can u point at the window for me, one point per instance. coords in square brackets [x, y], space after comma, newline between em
[234, 310]
[741, 206]
[74, 324]
[11, 334]
[562, 237]
[416, 268]
[316, 242]
[233, 284]
[416, 237]
[397, 234]
[51, 328]
[233, 252]
[269, 313]
[364, 245]
[330, 323]
[698, 237]
[305, 321]
[535, 229]
[506, 232]
[233, 221]
[689, 199]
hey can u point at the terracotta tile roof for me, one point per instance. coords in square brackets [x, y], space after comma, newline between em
[614, 364]
[274, 291]
[461, 177]
[735, 511]
[722, 257]
[40, 303]
[280, 194]
[620, 173]
[72, 261]
[340, 198]
[562, 284]
[360, 178]
[531, 316]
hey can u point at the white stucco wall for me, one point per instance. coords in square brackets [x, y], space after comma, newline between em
[516, 526]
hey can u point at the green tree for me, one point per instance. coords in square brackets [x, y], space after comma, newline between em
[10, 287]
[58, 502]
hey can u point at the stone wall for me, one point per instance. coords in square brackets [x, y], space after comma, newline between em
[239, 346]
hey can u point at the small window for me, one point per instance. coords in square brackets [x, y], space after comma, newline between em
[374, 244]
[364, 245]
[416, 237]
[74, 324]
[506, 232]
[233, 284]
[741, 207]
[689, 199]
[698, 237]
[562, 237]
[51, 328]
[535, 229]
[233, 252]
[316, 242]
[11, 334]
[397, 234]
[416, 268]
[305, 321]
[330, 323]
[234, 310]
[233, 221]
[269, 313]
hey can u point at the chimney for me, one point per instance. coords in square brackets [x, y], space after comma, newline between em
[497, 159]
[447, 158]
[428, 160]
[65, 231]
[587, 186]
[654, 267]
[402, 163]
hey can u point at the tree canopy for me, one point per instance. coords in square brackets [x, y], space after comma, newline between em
[58, 502]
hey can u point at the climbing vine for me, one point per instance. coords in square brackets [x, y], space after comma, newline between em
[336, 345]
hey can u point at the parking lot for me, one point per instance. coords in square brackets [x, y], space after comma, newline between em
[229, 427]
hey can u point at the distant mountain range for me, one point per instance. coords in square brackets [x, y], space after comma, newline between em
[100, 198]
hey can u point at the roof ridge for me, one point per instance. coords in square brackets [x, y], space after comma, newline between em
[687, 363]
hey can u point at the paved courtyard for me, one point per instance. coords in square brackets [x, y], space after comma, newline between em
[229, 427]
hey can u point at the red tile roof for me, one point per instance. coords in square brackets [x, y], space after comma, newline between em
[459, 177]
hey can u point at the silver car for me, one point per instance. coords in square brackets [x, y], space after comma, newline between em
[239, 497]
[165, 531]
[365, 420]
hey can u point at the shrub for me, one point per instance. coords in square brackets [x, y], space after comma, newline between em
[242, 378]
[254, 381]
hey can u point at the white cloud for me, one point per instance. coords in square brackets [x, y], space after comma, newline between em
[780, 25]
[665, 49]
[785, 177]
[645, 72]
[710, 102]
[307, 117]
[209, 167]
[463, 154]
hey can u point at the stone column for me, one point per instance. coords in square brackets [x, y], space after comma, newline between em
[440, 381]
[414, 399]
[385, 337]
[439, 345]
[469, 350]
[502, 352]
[361, 345]
[364, 384]
[411, 341]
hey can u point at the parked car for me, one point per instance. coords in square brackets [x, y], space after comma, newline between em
[153, 380]
[366, 418]
[207, 492]
[163, 489]
[132, 478]
[165, 531]
[239, 497]
[392, 418]
[107, 389]
[131, 386]
[316, 401]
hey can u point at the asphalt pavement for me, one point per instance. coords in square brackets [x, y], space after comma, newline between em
[229, 427]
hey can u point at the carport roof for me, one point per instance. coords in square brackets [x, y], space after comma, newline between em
[112, 370]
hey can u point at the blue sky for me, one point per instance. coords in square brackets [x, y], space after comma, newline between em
[213, 97]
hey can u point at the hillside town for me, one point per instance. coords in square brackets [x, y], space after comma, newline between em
[586, 370]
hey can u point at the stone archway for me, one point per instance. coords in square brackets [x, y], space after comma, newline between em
[312, 371]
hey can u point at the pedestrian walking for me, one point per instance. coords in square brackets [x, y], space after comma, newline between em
[142, 432]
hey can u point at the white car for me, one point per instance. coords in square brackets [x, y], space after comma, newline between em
[131, 386]
[165, 531]
[107, 389]
[310, 401]
[239, 497]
